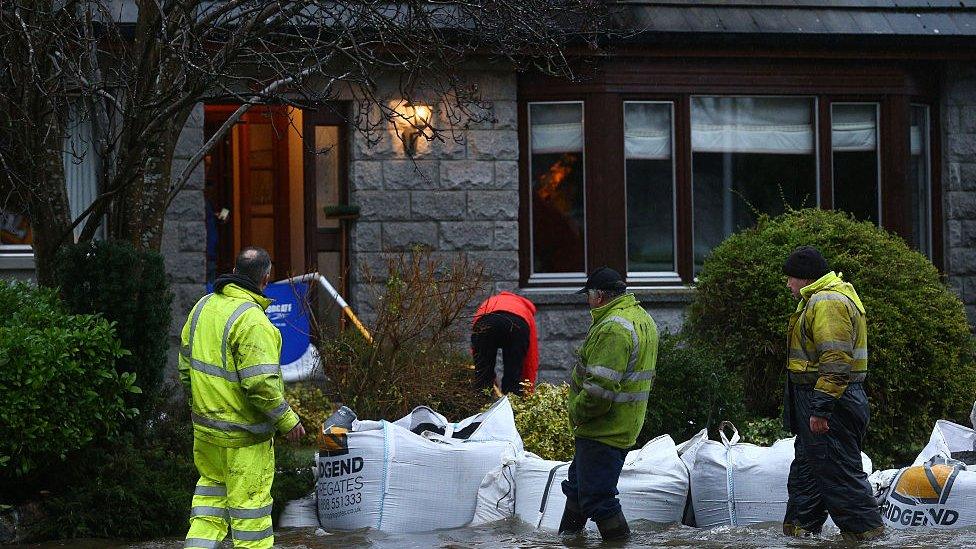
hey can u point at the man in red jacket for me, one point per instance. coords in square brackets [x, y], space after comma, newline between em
[505, 321]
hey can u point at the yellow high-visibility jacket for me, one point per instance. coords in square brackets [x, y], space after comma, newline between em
[610, 384]
[828, 338]
[229, 360]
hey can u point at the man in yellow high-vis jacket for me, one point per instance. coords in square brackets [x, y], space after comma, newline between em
[229, 362]
[825, 403]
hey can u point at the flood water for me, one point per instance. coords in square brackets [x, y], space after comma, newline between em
[511, 534]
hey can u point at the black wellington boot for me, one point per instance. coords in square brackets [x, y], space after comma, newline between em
[614, 528]
[573, 520]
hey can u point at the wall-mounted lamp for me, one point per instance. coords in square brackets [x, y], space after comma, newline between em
[412, 122]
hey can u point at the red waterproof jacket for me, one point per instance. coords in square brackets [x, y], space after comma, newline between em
[524, 309]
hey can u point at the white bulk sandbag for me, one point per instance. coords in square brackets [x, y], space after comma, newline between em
[392, 479]
[949, 441]
[653, 486]
[739, 484]
[931, 496]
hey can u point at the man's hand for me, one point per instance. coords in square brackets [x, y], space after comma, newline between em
[818, 425]
[296, 433]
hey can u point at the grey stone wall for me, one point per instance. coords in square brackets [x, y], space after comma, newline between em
[184, 245]
[463, 197]
[959, 180]
[457, 196]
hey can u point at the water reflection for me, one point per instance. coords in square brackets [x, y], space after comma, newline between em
[512, 535]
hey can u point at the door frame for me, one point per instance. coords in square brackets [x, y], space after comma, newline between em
[326, 239]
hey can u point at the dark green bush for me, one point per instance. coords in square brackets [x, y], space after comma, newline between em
[129, 287]
[293, 475]
[920, 347]
[141, 487]
[59, 389]
[692, 390]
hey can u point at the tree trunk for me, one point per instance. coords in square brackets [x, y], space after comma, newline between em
[140, 213]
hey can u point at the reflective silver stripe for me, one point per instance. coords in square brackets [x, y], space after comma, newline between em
[210, 491]
[250, 513]
[200, 543]
[640, 376]
[835, 367]
[809, 378]
[205, 368]
[259, 369]
[632, 363]
[227, 426]
[828, 295]
[604, 372]
[278, 411]
[860, 354]
[230, 322]
[208, 511]
[597, 391]
[185, 351]
[247, 535]
[797, 354]
[639, 396]
[193, 322]
[605, 394]
[842, 346]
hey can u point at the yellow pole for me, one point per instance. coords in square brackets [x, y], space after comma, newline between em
[338, 299]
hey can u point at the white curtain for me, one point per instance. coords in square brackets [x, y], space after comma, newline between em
[80, 161]
[556, 127]
[770, 125]
[647, 130]
[854, 127]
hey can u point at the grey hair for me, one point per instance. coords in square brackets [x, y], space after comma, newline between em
[254, 263]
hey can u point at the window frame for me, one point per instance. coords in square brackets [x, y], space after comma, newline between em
[654, 276]
[893, 85]
[571, 277]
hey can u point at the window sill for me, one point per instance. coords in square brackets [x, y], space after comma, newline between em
[657, 295]
[16, 261]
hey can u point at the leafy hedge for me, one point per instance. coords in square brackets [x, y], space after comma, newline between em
[920, 346]
[692, 390]
[542, 420]
[59, 389]
[129, 287]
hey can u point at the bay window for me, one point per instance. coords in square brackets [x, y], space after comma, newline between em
[675, 157]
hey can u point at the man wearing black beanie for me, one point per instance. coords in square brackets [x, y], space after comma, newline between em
[825, 404]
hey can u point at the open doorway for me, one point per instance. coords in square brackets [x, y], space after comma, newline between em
[278, 180]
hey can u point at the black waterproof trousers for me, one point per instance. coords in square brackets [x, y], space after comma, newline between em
[505, 331]
[826, 475]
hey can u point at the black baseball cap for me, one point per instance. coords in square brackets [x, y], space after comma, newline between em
[604, 278]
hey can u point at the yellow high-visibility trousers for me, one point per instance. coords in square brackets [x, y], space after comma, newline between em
[234, 490]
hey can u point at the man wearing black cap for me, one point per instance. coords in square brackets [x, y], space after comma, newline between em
[607, 402]
[825, 404]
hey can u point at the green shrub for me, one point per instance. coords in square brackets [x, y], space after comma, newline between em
[415, 357]
[543, 422]
[312, 406]
[129, 287]
[293, 475]
[692, 390]
[59, 389]
[920, 346]
[142, 487]
[126, 490]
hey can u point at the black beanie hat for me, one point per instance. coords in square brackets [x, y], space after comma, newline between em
[805, 262]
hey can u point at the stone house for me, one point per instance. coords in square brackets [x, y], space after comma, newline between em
[711, 110]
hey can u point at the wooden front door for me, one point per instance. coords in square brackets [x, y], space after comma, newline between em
[326, 153]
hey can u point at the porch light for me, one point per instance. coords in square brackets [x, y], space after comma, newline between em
[412, 121]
